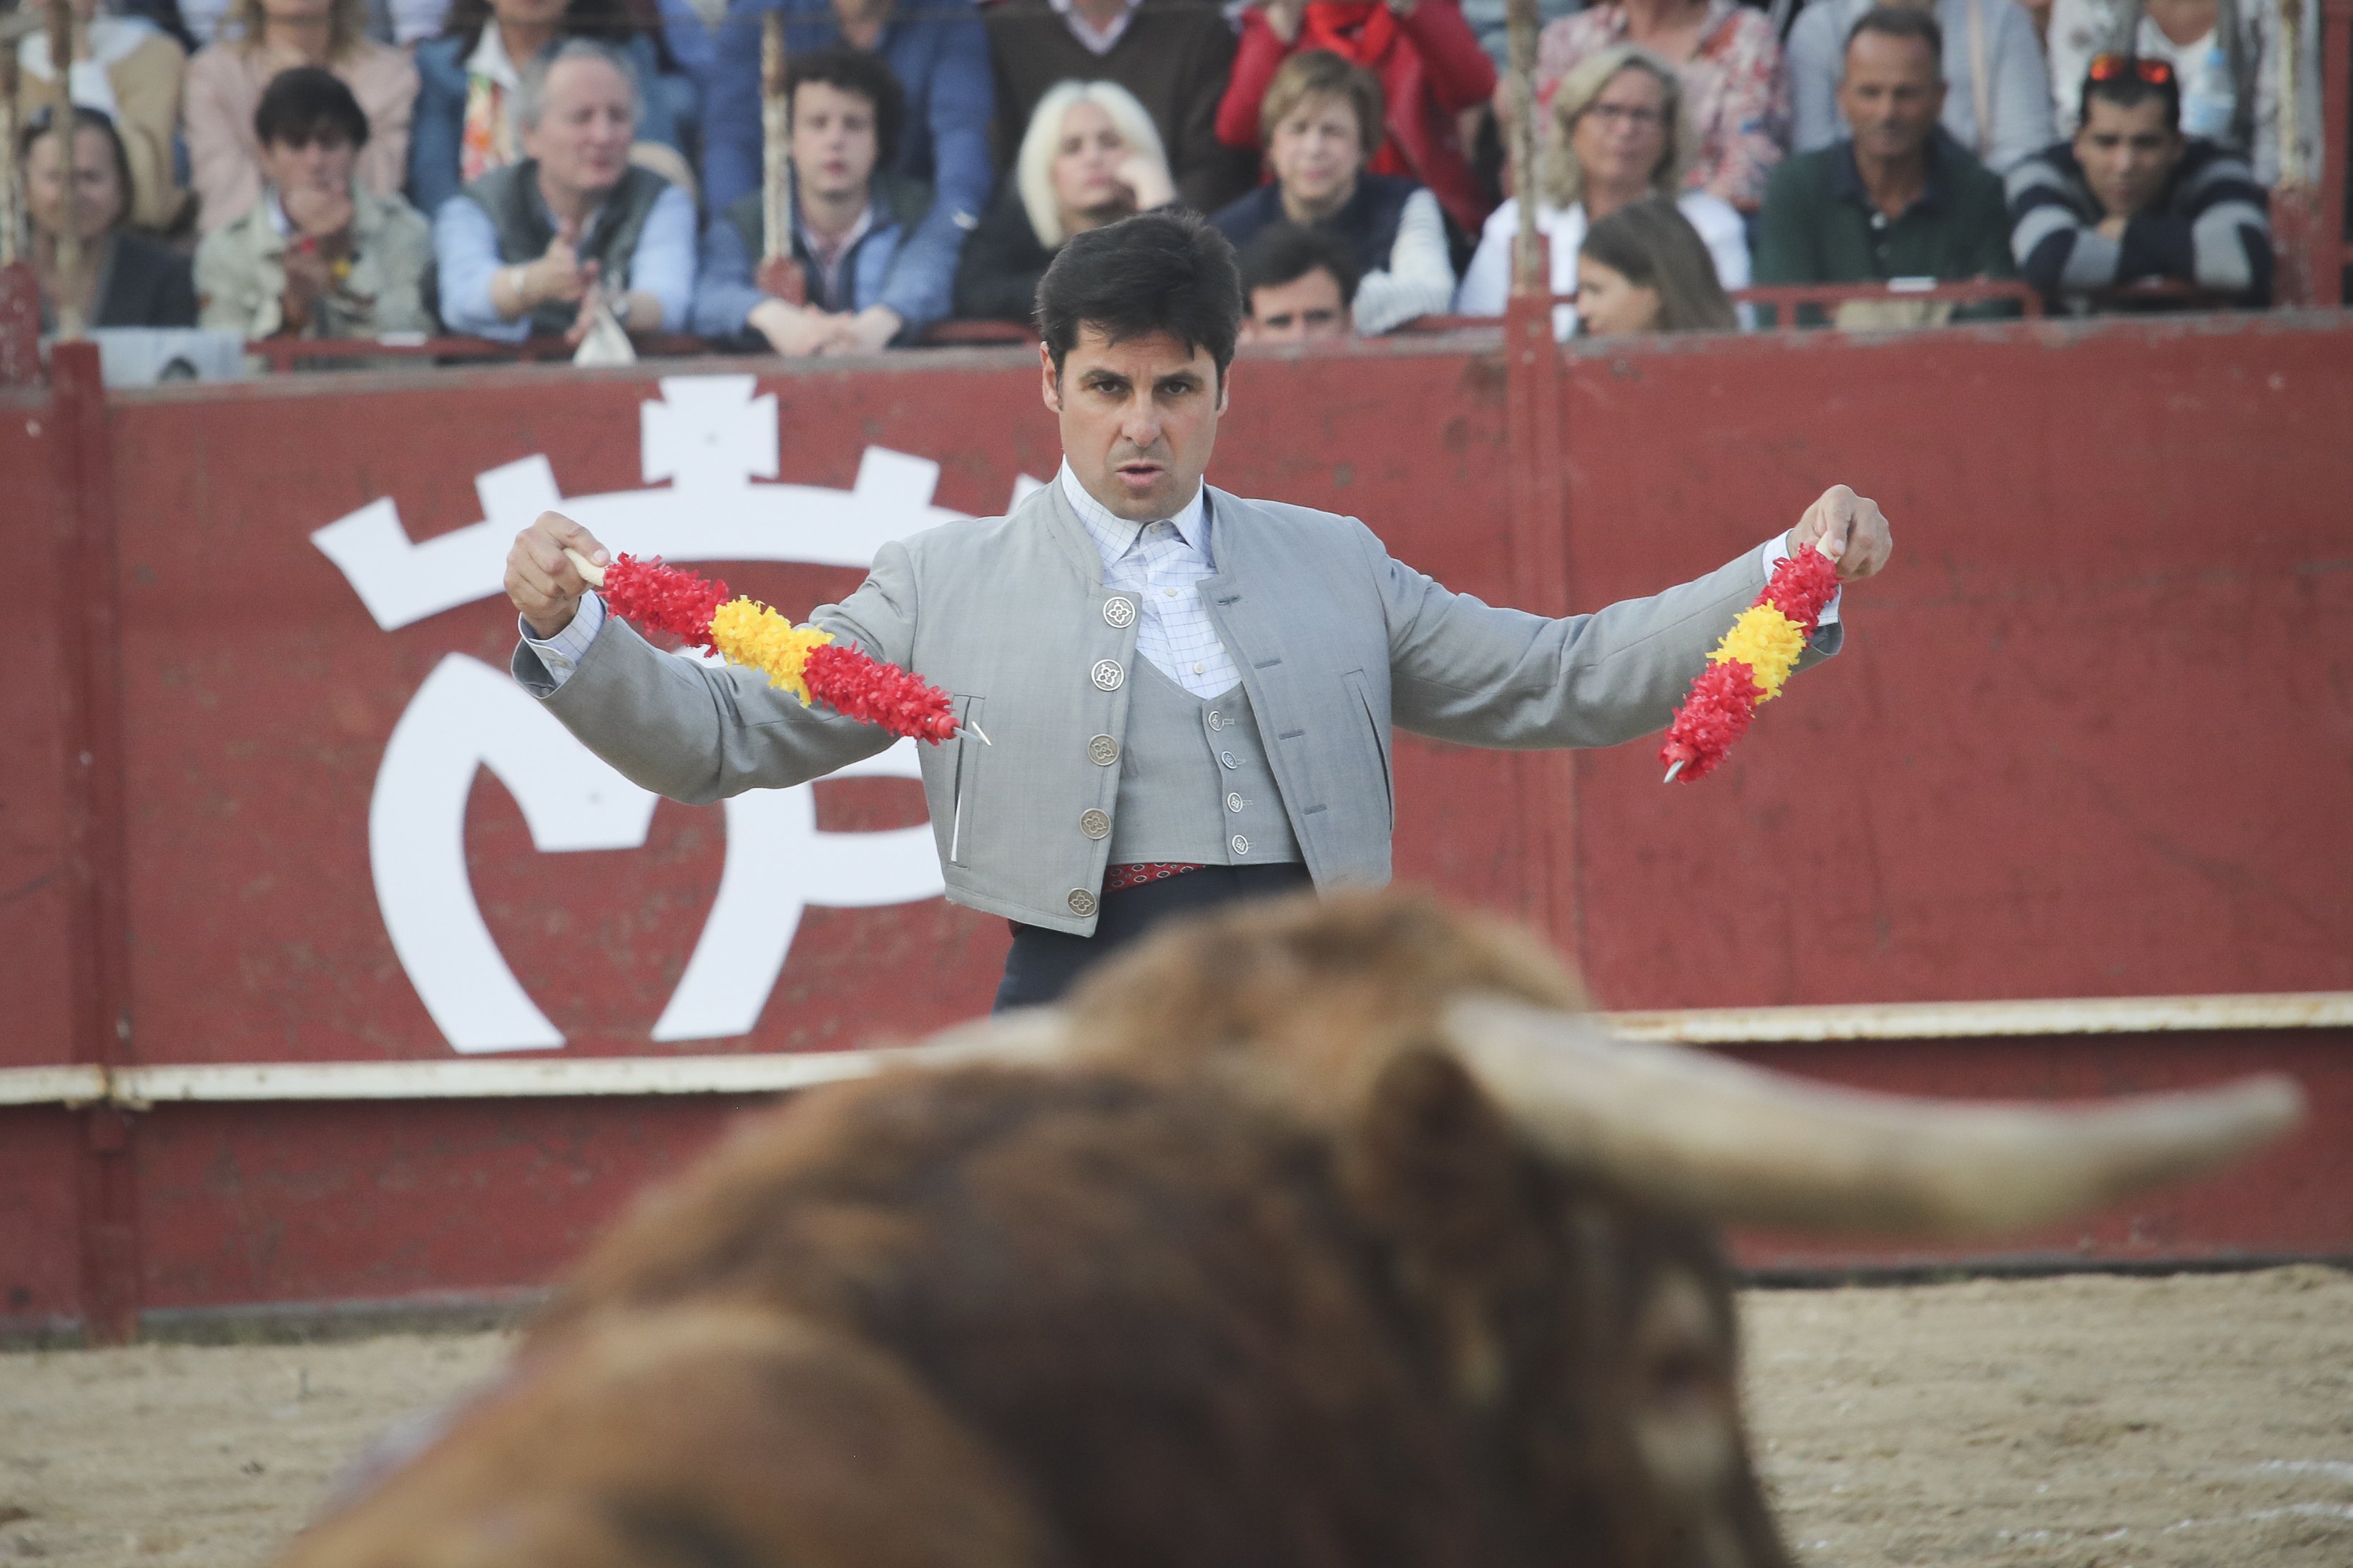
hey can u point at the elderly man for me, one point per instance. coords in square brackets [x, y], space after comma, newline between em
[2131, 199]
[1298, 286]
[530, 248]
[1897, 198]
[1189, 695]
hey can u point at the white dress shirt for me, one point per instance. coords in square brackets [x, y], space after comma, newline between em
[1161, 563]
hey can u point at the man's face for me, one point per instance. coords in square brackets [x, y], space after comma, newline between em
[321, 162]
[586, 124]
[833, 142]
[1307, 308]
[1139, 419]
[2127, 155]
[1893, 93]
[1317, 151]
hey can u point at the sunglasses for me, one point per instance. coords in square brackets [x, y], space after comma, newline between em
[2116, 68]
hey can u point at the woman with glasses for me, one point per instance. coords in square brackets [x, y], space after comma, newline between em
[1618, 131]
[116, 279]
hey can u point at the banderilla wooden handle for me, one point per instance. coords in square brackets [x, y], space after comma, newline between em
[590, 572]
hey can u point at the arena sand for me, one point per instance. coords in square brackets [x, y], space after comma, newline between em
[2087, 1422]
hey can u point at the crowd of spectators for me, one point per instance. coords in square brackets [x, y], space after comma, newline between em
[520, 169]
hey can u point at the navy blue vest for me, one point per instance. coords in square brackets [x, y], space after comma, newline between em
[1367, 222]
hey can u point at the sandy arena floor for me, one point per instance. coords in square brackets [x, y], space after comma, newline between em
[2076, 1423]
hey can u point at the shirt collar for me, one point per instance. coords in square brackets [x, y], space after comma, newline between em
[489, 59]
[1846, 178]
[1096, 40]
[1114, 535]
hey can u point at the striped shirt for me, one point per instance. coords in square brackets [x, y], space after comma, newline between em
[1161, 563]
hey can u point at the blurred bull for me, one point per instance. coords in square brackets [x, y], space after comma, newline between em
[1318, 1236]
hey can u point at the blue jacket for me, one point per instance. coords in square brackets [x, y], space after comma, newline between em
[941, 61]
[877, 272]
[439, 129]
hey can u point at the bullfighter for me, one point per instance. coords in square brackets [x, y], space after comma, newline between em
[1188, 696]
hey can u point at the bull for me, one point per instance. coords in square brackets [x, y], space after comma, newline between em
[1315, 1235]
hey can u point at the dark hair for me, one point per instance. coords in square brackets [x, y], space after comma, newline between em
[1286, 252]
[1165, 271]
[855, 70]
[306, 104]
[1653, 246]
[2126, 89]
[1901, 22]
[37, 125]
[614, 22]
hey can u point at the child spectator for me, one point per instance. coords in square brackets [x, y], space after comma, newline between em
[1996, 89]
[1175, 57]
[1644, 268]
[1091, 156]
[524, 249]
[2131, 198]
[1897, 198]
[1322, 125]
[129, 70]
[121, 280]
[851, 288]
[1422, 55]
[1618, 131]
[468, 77]
[1298, 285]
[226, 81]
[1731, 69]
[321, 255]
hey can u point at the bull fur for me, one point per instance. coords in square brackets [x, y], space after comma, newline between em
[1264, 1280]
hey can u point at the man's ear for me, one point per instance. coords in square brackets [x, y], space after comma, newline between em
[1225, 388]
[1051, 387]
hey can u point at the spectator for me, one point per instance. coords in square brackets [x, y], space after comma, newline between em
[1323, 123]
[1644, 268]
[1996, 89]
[1175, 56]
[1619, 132]
[321, 255]
[1897, 198]
[2225, 58]
[129, 70]
[1491, 24]
[2131, 198]
[1422, 54]
[121, 280]
[521, 254]
[1731, 70]
[1091, 156]
[225, 79]
[468, 76]
[1298, 285]
[848, 290]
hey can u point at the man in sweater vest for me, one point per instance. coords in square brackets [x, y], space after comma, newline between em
[1189, 695]
[528, 249]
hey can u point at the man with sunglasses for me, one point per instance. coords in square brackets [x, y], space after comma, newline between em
[2131, 199]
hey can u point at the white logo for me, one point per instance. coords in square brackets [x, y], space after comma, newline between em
[710, 436]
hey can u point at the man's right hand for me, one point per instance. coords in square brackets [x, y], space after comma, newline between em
[557, 275]
[544, 585]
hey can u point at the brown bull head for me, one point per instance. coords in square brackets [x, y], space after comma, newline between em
[1316, 1235]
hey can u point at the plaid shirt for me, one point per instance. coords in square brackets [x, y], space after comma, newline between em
[1161, 563]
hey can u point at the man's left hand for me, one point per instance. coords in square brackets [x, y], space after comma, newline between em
[1849, 529]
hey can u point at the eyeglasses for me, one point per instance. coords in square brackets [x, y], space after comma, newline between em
[2116, 68]
[1639, 116]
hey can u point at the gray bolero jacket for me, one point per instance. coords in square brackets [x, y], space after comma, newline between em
[1336, 641]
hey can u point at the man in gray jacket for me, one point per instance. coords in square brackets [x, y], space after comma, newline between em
[1187, 696]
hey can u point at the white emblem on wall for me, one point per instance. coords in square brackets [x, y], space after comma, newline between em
[710, 436]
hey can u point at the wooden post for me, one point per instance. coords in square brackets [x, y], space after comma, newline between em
[777, 275]
[12, 199]
[69, 257]
[2336, 45]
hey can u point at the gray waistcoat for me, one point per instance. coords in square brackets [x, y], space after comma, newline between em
[1194, 783]
[509, 195]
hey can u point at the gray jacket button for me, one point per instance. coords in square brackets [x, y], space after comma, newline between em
[1216, 720]
[1233, 803]
[1119, 612]
[1103, 751]
[1094, 823]
[1227, 758]
[1108, 675]
[1242, 845]
[1081, 902]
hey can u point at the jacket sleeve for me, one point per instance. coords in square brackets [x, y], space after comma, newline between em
[960, 99]
[997, 276]
[2055, 249]
[1812, 58]
[1487, 281]
[1208, 172]
[146, 84]
[1458, 72]
[1255, 59]
[230, 287]
[1418, 279]
[731, 111]
[408, 242]
[2228, 232]
[724, 294]
[226, 182]
[384, 81]
[2020, 90]
[435, 130]
[699, 732]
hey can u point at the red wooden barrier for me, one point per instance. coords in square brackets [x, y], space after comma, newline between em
[2091, 740]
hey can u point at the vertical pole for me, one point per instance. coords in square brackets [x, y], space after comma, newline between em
[1536, 429]
[68, 259]
[2336, 149]
[97, 860]
[12, 203]
[778, 275]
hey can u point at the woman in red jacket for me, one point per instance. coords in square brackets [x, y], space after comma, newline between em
[1430, 66]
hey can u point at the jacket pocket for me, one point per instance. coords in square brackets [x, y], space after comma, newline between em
[969, 751]
[1379, 735]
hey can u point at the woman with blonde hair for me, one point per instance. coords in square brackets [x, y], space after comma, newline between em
[1091, 156]
[1644, 268]
[226, 81]
[1618, 130]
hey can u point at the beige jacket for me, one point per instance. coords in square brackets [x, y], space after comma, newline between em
[225, 83]
[241, 273]
[143, 69]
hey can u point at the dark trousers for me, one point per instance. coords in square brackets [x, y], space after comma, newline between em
[1045, 964]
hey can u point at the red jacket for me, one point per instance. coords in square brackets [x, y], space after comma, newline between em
[1433, 71]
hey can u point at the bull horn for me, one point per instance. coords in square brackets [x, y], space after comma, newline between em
[1736, 1143]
